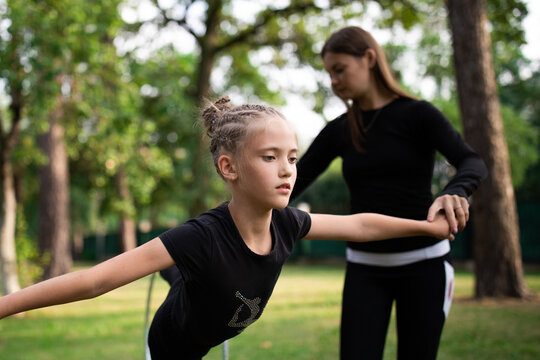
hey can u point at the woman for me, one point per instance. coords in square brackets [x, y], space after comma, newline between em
[388, 140]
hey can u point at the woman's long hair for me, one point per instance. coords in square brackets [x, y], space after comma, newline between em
[353, 40]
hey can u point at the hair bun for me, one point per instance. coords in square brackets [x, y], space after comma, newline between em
[213, 114]
[223, 103]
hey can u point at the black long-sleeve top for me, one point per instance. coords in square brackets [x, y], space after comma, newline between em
[394, 174]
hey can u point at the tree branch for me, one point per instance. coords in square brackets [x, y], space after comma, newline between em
[180, 22]
[261, 21]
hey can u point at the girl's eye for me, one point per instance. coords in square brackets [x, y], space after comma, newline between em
[293, 160]
[268, 157]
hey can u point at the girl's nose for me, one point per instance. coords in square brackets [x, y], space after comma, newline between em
[286, 169]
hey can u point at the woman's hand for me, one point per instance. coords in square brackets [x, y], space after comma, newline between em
[456, 209]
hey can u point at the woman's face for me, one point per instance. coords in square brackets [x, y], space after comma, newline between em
[350, 75]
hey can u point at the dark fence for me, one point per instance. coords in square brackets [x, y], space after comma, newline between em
[102, 247]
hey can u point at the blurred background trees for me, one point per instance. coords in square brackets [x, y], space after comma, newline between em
[99, 101]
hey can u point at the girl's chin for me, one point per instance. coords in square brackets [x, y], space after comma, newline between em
[278, 205]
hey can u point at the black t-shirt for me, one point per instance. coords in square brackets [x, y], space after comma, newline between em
[394, 175]
[225, 285]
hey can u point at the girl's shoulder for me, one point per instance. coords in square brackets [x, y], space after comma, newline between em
[292, 219]
[289, 212]
[203, 224]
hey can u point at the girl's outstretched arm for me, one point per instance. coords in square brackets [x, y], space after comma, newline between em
[372, 227]
[85, 284]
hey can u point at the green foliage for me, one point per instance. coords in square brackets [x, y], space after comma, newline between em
[434, 49]
[507, 35]
[522, 138]
[166, 81]
[523, 142]
[29, 260]
[405, 13]
[61, 54]
[522, 97]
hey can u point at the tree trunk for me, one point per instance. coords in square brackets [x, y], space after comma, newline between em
[78, 242]
[8, 256]
[127, 228]
[208, 45]
[53, 223]
[498, 266]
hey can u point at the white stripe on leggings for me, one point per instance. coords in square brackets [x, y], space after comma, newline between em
[401, 258]
[449, 288]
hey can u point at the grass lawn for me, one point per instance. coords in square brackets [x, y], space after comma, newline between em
[301, 321]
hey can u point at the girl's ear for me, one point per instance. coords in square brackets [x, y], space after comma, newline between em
[227, 167]
[371, 56]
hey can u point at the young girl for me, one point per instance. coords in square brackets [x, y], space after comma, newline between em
[230, 257]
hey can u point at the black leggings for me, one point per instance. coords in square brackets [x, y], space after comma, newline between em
[420, 291]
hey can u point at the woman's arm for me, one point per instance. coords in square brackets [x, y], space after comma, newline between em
[320, 154]
[470, 168]
[89, 283]
[372, 227]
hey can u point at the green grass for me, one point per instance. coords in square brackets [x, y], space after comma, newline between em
[301, 321]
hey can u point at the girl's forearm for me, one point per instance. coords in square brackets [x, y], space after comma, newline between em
[85, 284]
[59, 290]
[381, 227]
[373, 227]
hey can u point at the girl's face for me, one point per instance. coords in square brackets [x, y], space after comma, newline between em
[267, 163]
[350, 75]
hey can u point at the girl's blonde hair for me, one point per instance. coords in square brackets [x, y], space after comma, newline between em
[227, 126]
[353, 40]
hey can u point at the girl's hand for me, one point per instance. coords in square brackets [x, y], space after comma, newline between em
[456, 209]
[441, 227]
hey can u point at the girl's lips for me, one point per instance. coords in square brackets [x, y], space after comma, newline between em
[284, 188]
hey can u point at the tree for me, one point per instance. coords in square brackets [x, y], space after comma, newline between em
[54, 223]
[10, 128]
[169, 107]
[56, 49]
[220, 36]
[55, 57]
[497, 251]
[8, 140]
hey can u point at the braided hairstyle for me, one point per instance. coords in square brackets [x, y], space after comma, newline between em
[228, 126]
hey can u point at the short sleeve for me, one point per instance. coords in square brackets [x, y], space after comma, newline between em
[298, 222]
[303, 222]
[189, 246]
